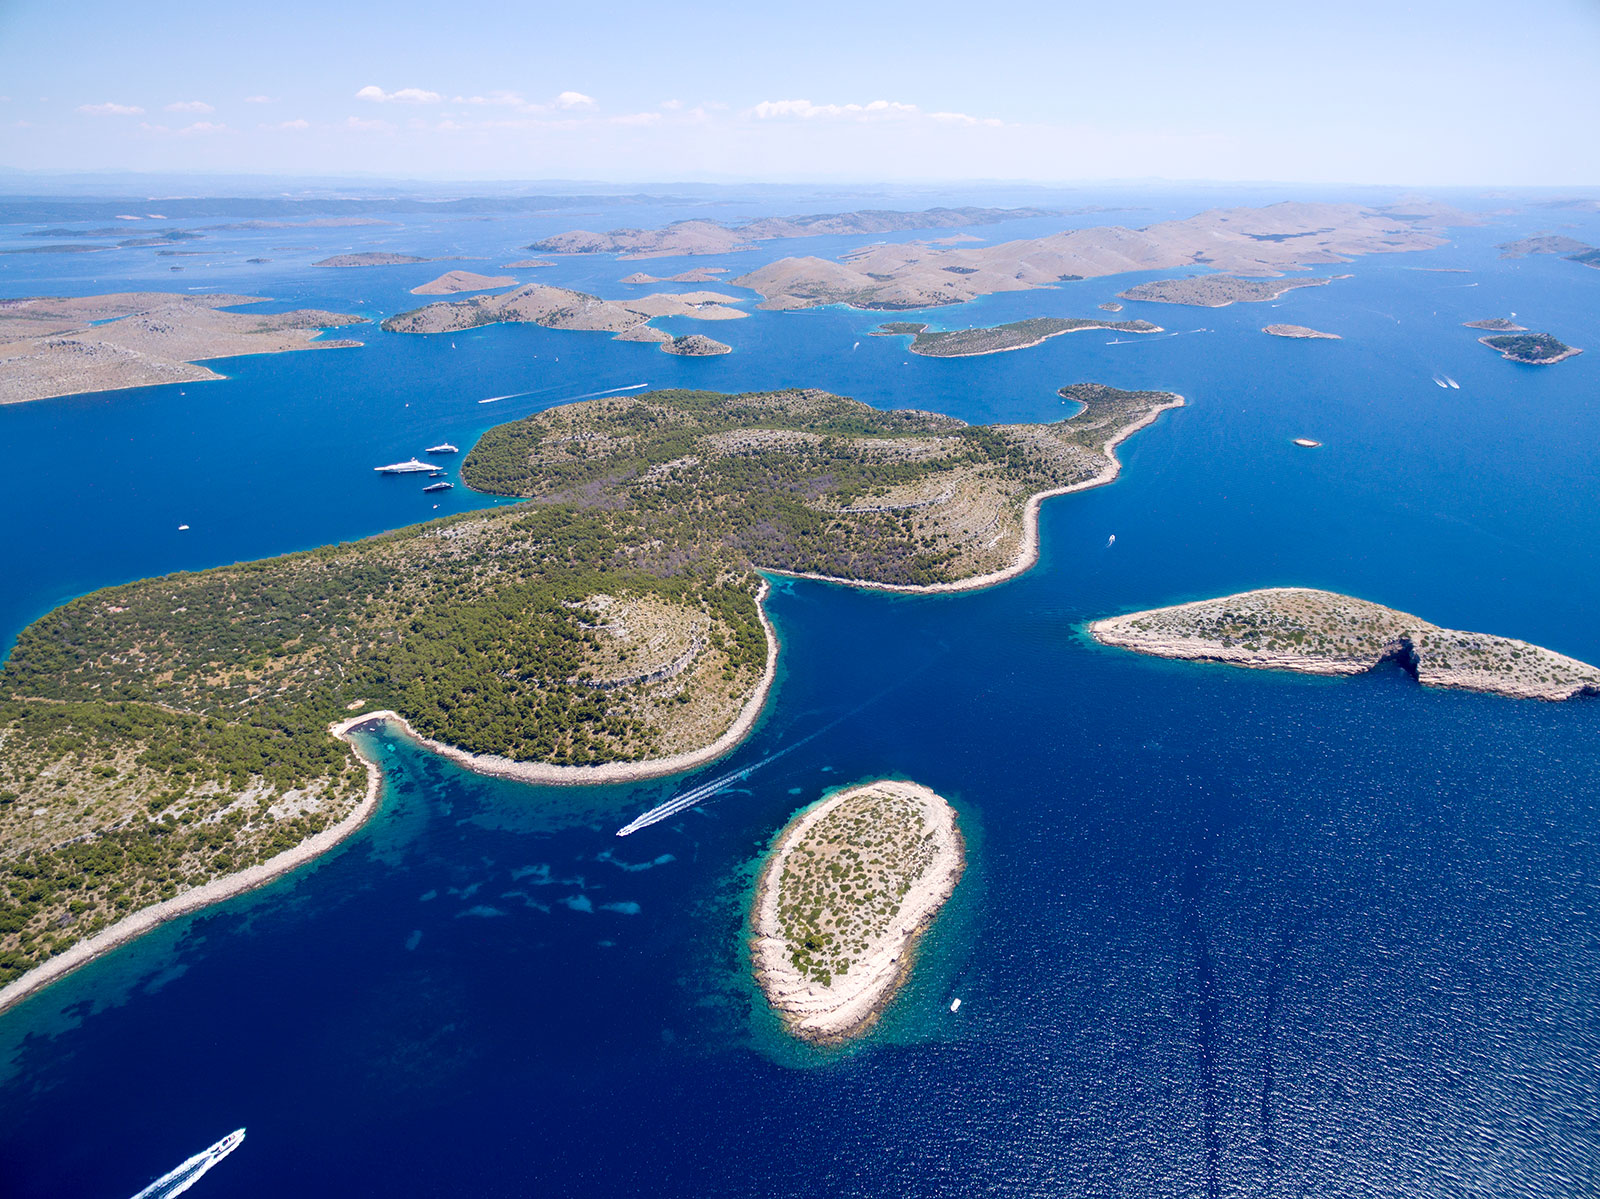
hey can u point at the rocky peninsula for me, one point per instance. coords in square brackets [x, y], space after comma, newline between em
[1242, 241]
[1300, 331]
[850, 886]
[1323, 632]
[1018, 335]
[560, 308]
[54, 347]
[1530, 349]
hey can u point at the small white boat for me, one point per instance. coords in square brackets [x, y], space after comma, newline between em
[1111, 541]
[183, 528]
[444, 447]
[955, 1005]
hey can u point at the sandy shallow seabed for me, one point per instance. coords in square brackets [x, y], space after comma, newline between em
[855, 1000]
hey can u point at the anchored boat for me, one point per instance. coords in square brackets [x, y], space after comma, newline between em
[405, 468]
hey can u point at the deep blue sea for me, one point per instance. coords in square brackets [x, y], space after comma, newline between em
[1223, 933]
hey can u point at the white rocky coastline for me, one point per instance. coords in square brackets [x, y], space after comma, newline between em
[852, 1002]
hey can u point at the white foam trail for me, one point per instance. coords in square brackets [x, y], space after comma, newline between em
[1452, 382]
[180, 1179]
[586, 396]
[706, 790]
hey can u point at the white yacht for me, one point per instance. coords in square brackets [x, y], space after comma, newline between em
[405, 468]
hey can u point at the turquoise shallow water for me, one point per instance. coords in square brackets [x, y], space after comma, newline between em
[1224, 932]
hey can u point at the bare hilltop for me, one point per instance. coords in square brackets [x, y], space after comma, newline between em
[452, 282]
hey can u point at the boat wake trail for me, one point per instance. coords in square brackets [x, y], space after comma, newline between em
[180, 1179]
[610, 391]
[721, 783]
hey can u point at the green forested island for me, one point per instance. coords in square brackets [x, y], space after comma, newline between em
[1533, 349]
[161, 734]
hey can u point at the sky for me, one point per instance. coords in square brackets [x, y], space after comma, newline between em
[1428, 93]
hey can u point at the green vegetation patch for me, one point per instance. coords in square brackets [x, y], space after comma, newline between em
[843, 884]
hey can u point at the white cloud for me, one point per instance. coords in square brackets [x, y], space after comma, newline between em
[364, 126]
[638, 118]
[297, 123]
[110, 109]
[204, 127]
[877, 110]
[190, 106]
[258, 100]
[961, 118]
[406, 95]
[574, 100]
[501, 99]
[670, 105]
[805, 110]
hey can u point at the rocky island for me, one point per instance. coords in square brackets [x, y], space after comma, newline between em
[1495, 324]
[451, 282]
[184, 733]
[373, 258]
[1217, 291]
[1531, 349]
[1300, 331]
[1322, 632]
[695, 345]
[54, 347]
[1018, 335]
[851, 884]
[559, 308]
